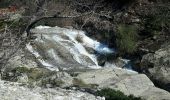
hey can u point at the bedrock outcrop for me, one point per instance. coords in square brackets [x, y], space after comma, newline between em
[157, 66]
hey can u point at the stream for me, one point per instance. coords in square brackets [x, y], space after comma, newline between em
[59, 48]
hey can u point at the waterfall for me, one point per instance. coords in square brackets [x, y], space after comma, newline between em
[56, 47]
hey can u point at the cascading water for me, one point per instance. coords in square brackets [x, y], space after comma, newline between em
[56, 47]
[61, 48]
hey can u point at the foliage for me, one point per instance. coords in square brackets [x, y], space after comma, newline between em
[3, 23]
[157, 20]
[111, 94]
[32, 73]
[126, 38]
[52, 82]
[5, 3]
[36, 76]
[80, 83]
[10, 40]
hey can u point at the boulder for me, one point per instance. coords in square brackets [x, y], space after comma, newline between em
[157, 66]
[128, 82]
[38, 77]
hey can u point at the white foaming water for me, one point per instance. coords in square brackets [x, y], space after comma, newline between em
[73, 41]
[86, 41]
[56, 47]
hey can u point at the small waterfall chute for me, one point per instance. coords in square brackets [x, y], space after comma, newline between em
[64, 46]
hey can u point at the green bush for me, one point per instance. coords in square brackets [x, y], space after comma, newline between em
[80, 83]
[126, 38]
[36, 76]
[33, 74]
[111, 94]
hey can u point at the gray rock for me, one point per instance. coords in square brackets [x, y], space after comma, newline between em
[15, 17]
[60, 79]
[102, 76]
[135, 84]
[126, 81]
[154, 93]
[158, 66]
[21, 59]
[23, 78]
[120, 62]
[13, 91]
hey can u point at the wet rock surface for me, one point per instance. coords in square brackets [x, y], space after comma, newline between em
[57, 48]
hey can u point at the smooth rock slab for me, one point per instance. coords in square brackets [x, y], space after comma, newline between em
[12, 91]
[154, 93]
[128, 82]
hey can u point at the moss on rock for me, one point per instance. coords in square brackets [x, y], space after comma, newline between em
[111, 94]
[80, 83]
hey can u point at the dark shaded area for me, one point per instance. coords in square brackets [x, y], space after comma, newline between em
[160, 84]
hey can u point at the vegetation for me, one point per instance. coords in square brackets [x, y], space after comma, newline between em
[80, 83]
[4, 3]
[32, 73]
[51, 82]
[40, 76]
[10, 39]
[153, 18]
[111, 94]
[158, 21]
[126, 38]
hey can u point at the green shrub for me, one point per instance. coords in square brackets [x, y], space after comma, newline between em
[39, 76]
[111, 94]
[33, 74]
[21, 70]
[80, 83]
[126, 38]
[52, 82]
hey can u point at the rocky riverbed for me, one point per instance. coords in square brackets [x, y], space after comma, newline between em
[99, 44]
[37, 80]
